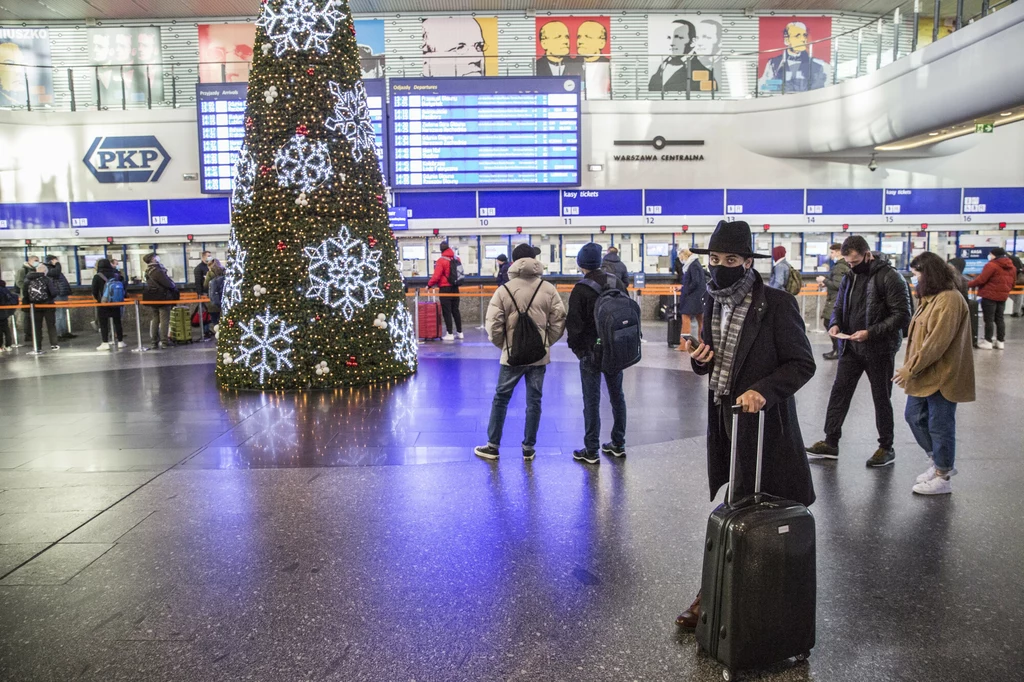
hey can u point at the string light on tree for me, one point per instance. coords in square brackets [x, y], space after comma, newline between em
[234, 273]
[300, 25]
[303, 163]
[245, 178]
[344, 273]
[265, 344]
[351, 118]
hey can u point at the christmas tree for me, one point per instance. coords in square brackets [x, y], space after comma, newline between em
[313, 296]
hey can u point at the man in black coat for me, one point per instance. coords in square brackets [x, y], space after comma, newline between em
[871, 313]
[759, 359]
[56, 273]
[199, 274]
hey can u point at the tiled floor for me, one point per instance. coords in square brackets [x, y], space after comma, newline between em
[153, 528]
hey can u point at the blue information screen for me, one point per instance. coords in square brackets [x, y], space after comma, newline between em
[375, 94]
[595, 203]
[994, 200]
[522, 204]
[922, 201]
[764, 202]
[185, 212]
[99, 214]
[684, 201]
[480, 132]
[220, 112]
[49, 216]
[844, 202]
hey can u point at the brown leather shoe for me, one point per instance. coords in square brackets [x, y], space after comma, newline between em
[687, 620]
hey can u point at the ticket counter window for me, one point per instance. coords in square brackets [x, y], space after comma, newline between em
[11, 260]
[629, 251]
[412, 254]
[570, 248]
[492, 248]
[657, 257]
[88, 256]
[68, 265]
[548, 255]
[894, 247]
[763, 244]
[172, 258]
[816, 256]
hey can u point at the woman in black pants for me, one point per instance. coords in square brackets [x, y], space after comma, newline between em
[106, 314]
[444, 278]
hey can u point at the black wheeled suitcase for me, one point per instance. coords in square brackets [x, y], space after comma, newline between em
[759, 587]
[675, 330]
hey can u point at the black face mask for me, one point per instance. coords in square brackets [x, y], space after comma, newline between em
[724, 277]
[861, 268]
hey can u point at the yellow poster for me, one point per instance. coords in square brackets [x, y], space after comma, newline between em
[924, 30]
[460, 46]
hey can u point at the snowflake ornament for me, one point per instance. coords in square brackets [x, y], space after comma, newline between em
[303, 163]
[234, 272]
[403, 336]
[300, 25]
[344, 273]
[265, 344]
[245, 178]
[270, 94]
[351, 118]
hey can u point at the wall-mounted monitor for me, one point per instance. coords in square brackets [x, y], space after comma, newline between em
[91, 260]
[495, 250]
[414, 252]
[658, 249]
[572, 249]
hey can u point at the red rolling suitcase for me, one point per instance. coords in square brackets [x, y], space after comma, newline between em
[430, 320]
[759, 587]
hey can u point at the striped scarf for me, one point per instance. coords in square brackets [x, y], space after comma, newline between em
[730, 311]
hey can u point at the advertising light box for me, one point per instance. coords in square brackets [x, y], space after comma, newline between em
[484, 132]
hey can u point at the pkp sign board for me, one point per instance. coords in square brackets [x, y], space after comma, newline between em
[136, 158]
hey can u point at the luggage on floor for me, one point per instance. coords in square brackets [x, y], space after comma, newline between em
[181, 325]
[972, 304]
[666, 307]
[675, 330]
[758, 589]
[430, 320]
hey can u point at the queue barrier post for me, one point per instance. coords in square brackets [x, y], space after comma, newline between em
[817, 314]
[138, 328]
[14, 325]
[113, 336]
[36, 350]
[482, 312]
[416, 312]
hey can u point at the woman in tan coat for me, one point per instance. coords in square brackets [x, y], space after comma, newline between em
[938, 371]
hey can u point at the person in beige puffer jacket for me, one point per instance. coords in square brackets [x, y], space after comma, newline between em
[548, 313]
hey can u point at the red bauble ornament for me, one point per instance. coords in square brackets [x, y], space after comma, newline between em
[351, 362]
[311, 71]
[302, 129]
[281, 246]
[373, 241]
[231, 323]
[380, 198]
[265, 170]
[387, 286]
[352, 29]
[248, 122]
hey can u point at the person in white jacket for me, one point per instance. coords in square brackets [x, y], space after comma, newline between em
[527, 293]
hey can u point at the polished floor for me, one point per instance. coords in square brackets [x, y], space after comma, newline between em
[153, 528]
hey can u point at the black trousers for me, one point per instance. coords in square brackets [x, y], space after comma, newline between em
[48, 315]
[450, 309]
[105, 316]
[879, 367]
[993, 312]
[6, 333]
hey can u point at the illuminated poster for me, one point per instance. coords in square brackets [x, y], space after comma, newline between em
[20, 50]
[795, 54]
[460, 46]
[370, 41]
[576, 46]
[127, 56]
[225, 52]
[683, 50]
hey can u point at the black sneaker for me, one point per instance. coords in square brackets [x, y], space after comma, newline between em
[584, 456]
[486, 452]
[883, 457]
[831, 355]
[528, 453]
[822, 450]
[614, 450]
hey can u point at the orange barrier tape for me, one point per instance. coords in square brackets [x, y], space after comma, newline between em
[94, 304]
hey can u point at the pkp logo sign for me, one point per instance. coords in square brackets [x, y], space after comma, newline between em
[136, 158]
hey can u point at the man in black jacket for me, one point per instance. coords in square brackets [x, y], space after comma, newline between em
[55, 272]
[758, 359]
[871, 313]
[582, 337]
[159, 287]
[831, 283]
[200, 273]
[41, 290]
[613, 265]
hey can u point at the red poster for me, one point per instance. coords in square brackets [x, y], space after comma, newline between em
[795, 54]
[225, 52]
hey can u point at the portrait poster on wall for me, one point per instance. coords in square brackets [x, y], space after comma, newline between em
[576, 46]
[23, 50]
[460, 46]
[795, 54]
[128, 56]
[683, 51]
[225, 52]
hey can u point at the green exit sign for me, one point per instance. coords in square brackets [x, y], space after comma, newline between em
[984, 127]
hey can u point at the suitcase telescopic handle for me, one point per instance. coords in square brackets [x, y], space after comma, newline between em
[737, 410]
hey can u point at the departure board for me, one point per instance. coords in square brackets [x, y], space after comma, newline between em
[485, 132]
[221, 118]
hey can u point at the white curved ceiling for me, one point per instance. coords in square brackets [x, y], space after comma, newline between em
[77, 10]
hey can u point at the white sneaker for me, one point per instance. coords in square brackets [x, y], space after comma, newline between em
[985, 345]
[103, 346]
[930, 474]
[122, 344]
[459, 335]
[998, 345]
[448, 337]
[934, 486]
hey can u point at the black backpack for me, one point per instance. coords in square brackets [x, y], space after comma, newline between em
[456, 273]
[617, 318]
[528, 344]
[38, 290]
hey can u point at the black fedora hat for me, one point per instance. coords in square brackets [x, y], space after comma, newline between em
[731, 238]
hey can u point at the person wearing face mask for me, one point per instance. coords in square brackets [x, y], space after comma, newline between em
[159, 287]
[872, 312]
[754, 349]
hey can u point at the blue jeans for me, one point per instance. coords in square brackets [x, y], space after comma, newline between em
[62, 318]
[508, 378]
[591, 378]
[933, 422]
